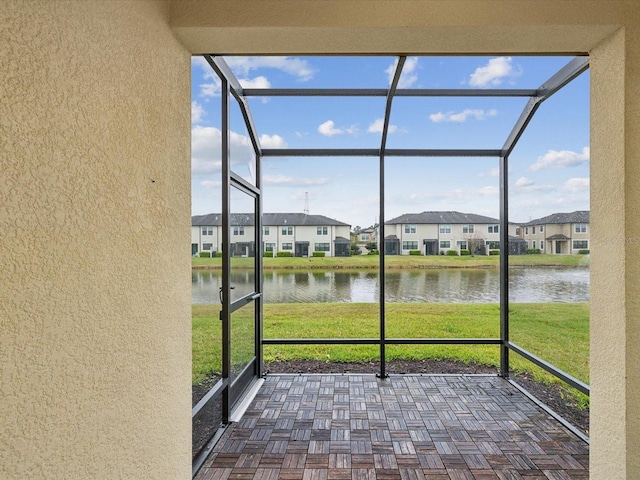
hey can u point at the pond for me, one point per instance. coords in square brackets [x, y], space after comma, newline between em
[478, 285]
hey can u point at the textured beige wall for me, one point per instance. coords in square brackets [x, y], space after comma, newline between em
[94, 226]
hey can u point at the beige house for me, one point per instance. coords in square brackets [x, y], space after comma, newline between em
[95, 151]
[297, 233]
[435, 233]
[559, 233]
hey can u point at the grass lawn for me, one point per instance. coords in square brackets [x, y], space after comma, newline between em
[556, 332]
[398, 261]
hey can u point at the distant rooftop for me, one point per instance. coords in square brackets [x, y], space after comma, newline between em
[579, 216]
[268, 219]
[451, 217]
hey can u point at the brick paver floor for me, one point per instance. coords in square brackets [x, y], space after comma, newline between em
[404, 427]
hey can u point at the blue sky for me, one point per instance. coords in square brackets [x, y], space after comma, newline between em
[548, 171]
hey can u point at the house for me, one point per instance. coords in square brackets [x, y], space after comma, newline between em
[434, 233]
[559, 233]
[298, 233]
[367, 235]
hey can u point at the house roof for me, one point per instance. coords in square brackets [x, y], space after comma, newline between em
[440, 218]
[580, 216]
[268, 219]
[558, 236]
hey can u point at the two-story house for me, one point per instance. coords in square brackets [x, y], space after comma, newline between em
[298, 233]
[433, 233]
[559, 233]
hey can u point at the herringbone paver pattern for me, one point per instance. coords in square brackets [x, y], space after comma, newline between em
[404, 427]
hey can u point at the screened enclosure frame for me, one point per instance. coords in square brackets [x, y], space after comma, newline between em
[536, 97]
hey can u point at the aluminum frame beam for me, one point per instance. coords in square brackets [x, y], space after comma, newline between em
[382, 92]
[222, 69]
[372, 152]
[565, 75]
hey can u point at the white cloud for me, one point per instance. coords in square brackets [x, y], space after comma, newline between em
[524, 182]
[293, 66]
[494, 72]
[211, 89]
[489, 190]
[494, 172]
[206, 144]
[288, 181]
[272, 141]
[211, 184]
[329, 129]
[462, 116]
[561, 159]
[352, 130]
[408, 76]
[197, 112]
[376, 127]
[258, 82]
[575, 185]
[526, 185]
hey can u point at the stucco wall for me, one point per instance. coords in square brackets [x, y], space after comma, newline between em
[95, 314]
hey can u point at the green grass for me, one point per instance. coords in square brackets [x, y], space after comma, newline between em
[556, 332]
[398, 261]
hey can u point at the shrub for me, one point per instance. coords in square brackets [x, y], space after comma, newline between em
[373, 252]
[318, 254]
[284, 254]
[205, 254]
[415, 252]
[441, 252]
[583, 252]
[218, 254]
[267, 254]
[464, 252]
[371, 246]
[452, 253]
[496, 252]
[533, 251]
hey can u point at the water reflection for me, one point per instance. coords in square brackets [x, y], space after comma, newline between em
[529, 285]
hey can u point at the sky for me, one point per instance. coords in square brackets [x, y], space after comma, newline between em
[548, 169]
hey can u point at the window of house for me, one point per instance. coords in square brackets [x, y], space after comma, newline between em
[238, 230]
[321, 247]
[533, 231]
[494, 229]
[493, 245]
[534, 244]
[445, 244]
[462, 244]
[268, 247]
[526, 230]
[207, 230]
[467, 228]
[287, 246]
[541, 228]
[580, 228]
[207, 246]
[445, 228]
[287, 230]
[265, 230]
[518, 231]
[410, 245]
[409, 229]
[580, 244]
[541, 243]
[364, 237]
[322, 231]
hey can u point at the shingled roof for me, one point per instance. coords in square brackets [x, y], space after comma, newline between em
[441, 218]
[268, 219]
[580, 216]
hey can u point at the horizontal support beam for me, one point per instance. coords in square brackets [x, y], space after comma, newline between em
[376, 341]
[215, 392]
[372, 152]
[382, 92]
[556, 372]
